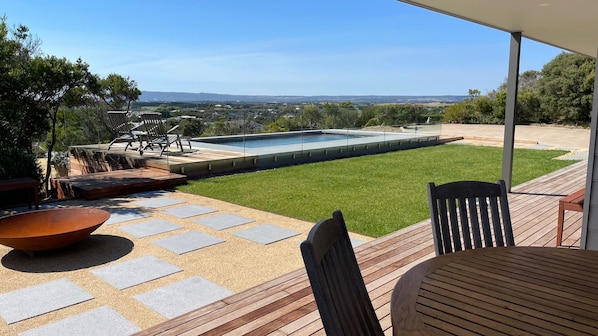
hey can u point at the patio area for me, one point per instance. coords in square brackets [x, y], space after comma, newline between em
[227, 269]
[285, 306]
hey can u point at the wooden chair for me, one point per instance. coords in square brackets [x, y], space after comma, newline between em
[121, 125]
[573, 202]
[337, 284]
[158, 135]
[469, 214]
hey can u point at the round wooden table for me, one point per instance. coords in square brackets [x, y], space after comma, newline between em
[500, 291]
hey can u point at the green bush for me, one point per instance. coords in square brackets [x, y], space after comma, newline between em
[15, 163]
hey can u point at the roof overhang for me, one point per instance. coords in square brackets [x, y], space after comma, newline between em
[567, 24]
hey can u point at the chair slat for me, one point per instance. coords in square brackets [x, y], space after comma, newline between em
[445, 243]
[476, 236]
[464, 226]
[454, 226]
[496, 223]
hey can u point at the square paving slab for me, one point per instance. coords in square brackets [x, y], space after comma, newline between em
[98, 322]
[188, 211]
[266, 234]
[36, 300]
[133, 272]
[183, 296]
[224, 221]
[187, 242]
[149, 194]
[158, 202]
[149, 228]
[125, 215]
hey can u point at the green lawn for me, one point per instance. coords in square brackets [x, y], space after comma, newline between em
[377, 194]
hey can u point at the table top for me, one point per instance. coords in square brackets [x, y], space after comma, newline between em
[500, 290]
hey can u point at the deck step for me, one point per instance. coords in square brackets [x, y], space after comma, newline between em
[115, 183]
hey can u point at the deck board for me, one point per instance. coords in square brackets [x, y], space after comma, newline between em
[285, 306]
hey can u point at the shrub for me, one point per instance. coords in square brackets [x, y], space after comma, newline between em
[15, 163]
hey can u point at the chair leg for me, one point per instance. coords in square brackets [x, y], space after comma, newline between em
[560, 224]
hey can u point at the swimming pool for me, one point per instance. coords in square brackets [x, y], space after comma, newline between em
[298, 141]
[280, 139]
[270, 150]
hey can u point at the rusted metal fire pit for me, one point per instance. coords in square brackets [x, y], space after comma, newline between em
[42, 230]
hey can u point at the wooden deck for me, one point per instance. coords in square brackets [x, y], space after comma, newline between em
[285, 306]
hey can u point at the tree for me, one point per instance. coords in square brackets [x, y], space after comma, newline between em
[456, 114]
[51, 100]
[367, 117]
[312, 116]
[483, 105]
[527, 80]
[53, 82]
[566, 88]
[19, 119]
[118, 92]
[528, 106]
[191, 127]
[19, 123]
[333, 111]
[474, 93]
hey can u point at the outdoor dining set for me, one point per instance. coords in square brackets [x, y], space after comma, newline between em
[479, 283]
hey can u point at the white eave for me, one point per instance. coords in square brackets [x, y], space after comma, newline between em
[567, 24]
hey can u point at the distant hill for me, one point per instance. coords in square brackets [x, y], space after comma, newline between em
[155, 96]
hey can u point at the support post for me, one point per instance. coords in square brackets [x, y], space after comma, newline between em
[509, 135]
[589, 230]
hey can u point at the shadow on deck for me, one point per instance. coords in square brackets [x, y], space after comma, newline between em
[285, 306]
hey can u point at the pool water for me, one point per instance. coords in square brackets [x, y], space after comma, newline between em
[290, 139]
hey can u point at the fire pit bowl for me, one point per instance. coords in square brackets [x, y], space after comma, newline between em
[42, 230]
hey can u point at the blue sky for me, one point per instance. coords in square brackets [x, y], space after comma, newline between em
[276, 47]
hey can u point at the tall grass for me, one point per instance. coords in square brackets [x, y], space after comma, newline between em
[378, 194]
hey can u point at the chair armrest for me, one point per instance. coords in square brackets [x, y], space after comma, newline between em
[173, 129]
[135, 127]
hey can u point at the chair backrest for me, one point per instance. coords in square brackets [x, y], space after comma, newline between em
[336, 281]
[469, 214]
[153, 125]
[119, 122]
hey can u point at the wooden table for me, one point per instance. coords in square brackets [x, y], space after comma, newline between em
[32, 185]
[500, 291]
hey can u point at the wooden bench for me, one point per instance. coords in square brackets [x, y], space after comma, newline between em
[573, 202]
[23, 183]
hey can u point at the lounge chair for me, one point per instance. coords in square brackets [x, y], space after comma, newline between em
[125, 132]
[158, 135]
